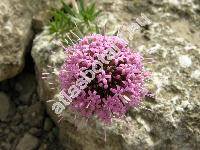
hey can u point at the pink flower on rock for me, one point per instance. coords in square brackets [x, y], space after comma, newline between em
[113, 90]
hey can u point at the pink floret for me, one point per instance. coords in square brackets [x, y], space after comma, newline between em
[114, 90]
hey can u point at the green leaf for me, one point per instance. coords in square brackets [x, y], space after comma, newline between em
[68, 18]
[81, 5]
[68, 9]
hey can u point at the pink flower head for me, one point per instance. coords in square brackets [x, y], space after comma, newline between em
[113, 89]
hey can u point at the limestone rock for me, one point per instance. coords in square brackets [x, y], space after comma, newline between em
[15, 34]
[170, 120]
[6, 107]
[28, 142]
[16, 31]
[34, 115]
[26, 86]
[48, 124]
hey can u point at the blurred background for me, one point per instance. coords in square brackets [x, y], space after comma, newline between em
[169, 120]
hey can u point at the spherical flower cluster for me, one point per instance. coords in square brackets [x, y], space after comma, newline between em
[116, 87]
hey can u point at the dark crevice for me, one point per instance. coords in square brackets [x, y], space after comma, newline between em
[29, 63]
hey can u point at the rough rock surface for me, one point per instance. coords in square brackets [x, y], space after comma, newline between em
[5, 106]
[170, 120]
[28, 142]
[14, 37]
[16, 32]
[24, 125]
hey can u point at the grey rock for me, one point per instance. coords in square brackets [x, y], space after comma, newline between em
[43, 147]
[35, 131]
[11, 137]
[5, 145]
[17, 119]
[15, 29]
[16, 33]
[48, 124]
[26, 86]
[6, 106]
[168, 121]
[34, 115]
[27, 142]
